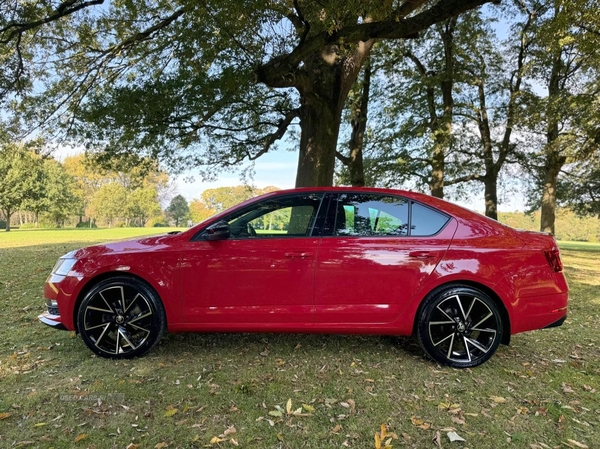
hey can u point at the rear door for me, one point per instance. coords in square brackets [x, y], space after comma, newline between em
[376, 252]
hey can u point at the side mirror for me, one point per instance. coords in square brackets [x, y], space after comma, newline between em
[217, 231]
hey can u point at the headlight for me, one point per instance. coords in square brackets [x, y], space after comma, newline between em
[64, 264]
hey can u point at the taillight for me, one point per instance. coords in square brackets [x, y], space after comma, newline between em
[553, 258]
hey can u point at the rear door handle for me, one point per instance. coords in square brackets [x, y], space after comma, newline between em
[298, 255]
[421, 255]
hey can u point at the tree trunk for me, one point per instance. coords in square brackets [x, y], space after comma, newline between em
[438, 164]
[554, 164]
[7, 214]
[323, 93]
[355, 162]
[491, 196]
[320, 124]
[554, 159]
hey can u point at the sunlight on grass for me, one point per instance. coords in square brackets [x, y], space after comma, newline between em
[29, 237]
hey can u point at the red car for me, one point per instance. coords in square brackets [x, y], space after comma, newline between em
[331, 260]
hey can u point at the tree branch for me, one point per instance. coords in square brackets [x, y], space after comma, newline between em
[275, 73]
[66, 8]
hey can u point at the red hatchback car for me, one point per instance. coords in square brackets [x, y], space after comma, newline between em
[331, 260]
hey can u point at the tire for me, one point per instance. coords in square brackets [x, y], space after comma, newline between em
[459, 326]
[121, 317]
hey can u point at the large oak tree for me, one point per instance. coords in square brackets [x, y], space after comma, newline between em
[208, 83]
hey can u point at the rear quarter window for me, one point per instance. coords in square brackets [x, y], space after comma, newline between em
[426, 221]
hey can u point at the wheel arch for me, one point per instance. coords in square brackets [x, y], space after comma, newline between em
[91, 283]
[476, 285]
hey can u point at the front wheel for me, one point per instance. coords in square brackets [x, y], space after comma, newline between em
[121, 317]
[459, 326]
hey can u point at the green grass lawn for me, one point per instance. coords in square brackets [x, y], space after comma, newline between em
[197, 390]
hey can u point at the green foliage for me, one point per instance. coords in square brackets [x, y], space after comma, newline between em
[178, 210]
[19, 178]
[86, 224]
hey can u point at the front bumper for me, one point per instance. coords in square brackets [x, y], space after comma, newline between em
[52, 321]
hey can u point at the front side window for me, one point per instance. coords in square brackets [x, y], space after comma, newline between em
[290, 216]
[371, 215]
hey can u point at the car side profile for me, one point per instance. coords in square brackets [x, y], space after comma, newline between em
[328, 260]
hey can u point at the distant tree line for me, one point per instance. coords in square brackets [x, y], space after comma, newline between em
[38, 190]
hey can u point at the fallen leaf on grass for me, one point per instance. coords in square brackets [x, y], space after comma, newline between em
[81, 436]
[437, 440]
[453, 436]
[160, 445]
[170, 412]
[498, 399]
[308, 408]
[573, 443]
[4, 415]
[420, 423]
[380, 438]
[215, 440]
[336, 429]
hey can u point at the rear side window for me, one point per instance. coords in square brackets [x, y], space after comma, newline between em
[383, 215]
[426, 221]
[371, 215]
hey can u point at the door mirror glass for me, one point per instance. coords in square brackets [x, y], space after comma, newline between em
[217, 231]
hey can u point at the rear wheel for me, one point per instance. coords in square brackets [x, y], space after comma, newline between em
[121, 317]
[459, 326]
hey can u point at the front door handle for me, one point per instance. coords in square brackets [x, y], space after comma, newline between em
[421, 255]
[299, 255]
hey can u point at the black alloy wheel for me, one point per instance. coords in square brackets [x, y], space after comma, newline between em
[459, 326]
[121, 317]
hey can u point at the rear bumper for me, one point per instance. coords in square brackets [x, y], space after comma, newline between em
[52, 321]
[557, 322]
[539, 312]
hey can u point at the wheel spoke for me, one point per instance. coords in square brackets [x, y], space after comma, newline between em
[122, 298]
[460, 306]
[443, 339]
[444, 312]
[483, 320]
[466, 343]
[477, 344]
[132, 302]
[449, 355]
[440, 323]
[144, 315]
[117, 344]
[97, 343]
[135, 326]
[123, 334]
[110, 309]
[470, 308]
[490, 331]
[96, 326]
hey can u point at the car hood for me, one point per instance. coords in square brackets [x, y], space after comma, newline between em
[144, 244]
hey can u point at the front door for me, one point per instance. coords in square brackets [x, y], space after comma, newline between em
[263, 274]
